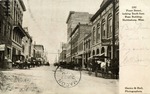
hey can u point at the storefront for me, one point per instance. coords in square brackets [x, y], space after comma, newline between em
[5, 56]
[2, 49]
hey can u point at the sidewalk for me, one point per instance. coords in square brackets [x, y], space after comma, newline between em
[2, 69]
[98, 74]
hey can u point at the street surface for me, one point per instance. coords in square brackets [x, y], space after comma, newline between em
[41, 80]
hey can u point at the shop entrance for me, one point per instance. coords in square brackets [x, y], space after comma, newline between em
[1, 58]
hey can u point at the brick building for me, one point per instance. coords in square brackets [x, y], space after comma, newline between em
[62, 56]
[77, 43]
[87, 49]
[73, 19]
[105, 30]
[39, 53]
[27, 45]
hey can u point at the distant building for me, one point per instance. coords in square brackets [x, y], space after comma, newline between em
[27, 45]
[39, 52]
[62, 56]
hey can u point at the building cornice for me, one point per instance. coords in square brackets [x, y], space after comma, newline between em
[103, 7]
[71, 12]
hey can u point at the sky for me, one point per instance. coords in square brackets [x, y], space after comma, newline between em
[46, 21]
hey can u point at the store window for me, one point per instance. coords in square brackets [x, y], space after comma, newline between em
[117, 22]
[94, 33]
[98, 33]
[103, 29]
[8, 53]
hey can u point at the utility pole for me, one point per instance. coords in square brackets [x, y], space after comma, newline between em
[113, 32]
[62, 52]
[58, 55]
[71, 46]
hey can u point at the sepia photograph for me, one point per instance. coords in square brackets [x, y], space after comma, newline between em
[59, 47]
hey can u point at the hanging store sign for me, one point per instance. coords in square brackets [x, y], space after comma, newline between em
[2, 47]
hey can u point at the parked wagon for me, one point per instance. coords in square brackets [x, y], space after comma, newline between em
[97, 65]
[18, 61]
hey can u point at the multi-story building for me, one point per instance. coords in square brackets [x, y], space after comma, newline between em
[39, 53]
[18, 32]
[77, 43]
[73, 19]
[105, 30]
[62, 56]
[46, 61]
[5, 35]
[27, 45]
[11, 31]
[87, 49]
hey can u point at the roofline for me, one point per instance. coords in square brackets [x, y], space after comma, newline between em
[77, 26]
[22, 5]
[70, 13]
[101, 9]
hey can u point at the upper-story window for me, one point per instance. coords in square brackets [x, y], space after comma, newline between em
[98, 33]
[117, 22]
[0, 26]
[103, 29]
[9, 32]
[94, 33]
[109, 25]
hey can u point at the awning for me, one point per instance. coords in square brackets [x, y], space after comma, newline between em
[100, 56]
[97, 57]
[20, 29]
[2, 47]
[78, 57]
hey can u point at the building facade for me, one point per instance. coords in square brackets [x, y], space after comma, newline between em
[87, 49]
[73, 19]
[5, 35]
[39, 53]
[17, 31]
[62, 56]
[27, 45]
[105, 30]
[77, 43]
[11, 31]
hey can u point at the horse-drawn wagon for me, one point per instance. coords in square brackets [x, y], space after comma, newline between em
[18, 61]
[99, 65]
